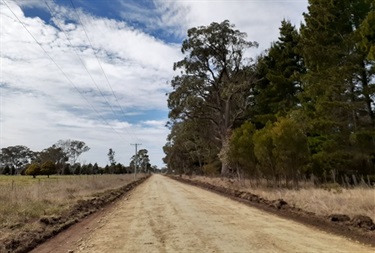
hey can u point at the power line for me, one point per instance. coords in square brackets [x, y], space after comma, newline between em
[79, 57]
[61, 70]
[101, 67]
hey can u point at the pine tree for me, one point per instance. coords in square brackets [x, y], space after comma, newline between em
[336, 96]
[279, 73]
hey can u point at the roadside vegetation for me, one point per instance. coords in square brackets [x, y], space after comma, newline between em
[33, 210]
[49, 182]
[296, 122]
[302, 110]
[325, 200]
[24, 199]
[62, 159]
[43, 192]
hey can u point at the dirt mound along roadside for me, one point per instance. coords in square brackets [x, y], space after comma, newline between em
[359, 228]
[47, 227]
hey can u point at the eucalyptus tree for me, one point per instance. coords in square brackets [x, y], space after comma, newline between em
[72, 148]
[111, 156]
[141, 160]
[214, 80]
[16, 156]
[192, 144]
[53, 154]
[144, 160]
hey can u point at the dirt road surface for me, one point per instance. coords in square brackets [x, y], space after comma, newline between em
[163, 215]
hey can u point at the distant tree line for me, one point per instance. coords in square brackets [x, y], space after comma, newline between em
[139, 163]
[61, 158]
[303, 108]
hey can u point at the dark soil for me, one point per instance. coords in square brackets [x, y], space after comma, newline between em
[49, 226]
[359, 228]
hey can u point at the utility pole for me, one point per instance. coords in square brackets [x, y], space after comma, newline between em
[135, 158]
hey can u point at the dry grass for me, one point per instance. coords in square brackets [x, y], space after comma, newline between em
[355, 201]
[23, 199]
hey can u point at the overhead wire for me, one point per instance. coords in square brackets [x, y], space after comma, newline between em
[61, 70]
[99, 63]
[80, 59]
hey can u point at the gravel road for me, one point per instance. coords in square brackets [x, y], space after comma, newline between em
[162, 215]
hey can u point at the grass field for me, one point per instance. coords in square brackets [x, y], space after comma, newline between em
[322, 201]
[24, 199]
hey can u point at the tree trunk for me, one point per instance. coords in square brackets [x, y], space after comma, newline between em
[224, 169]
[367, 94]
[224, 153]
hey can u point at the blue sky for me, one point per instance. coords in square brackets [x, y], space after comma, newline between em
[99, 73]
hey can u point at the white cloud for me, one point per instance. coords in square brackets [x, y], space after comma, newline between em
[39, 105]
[260, 19]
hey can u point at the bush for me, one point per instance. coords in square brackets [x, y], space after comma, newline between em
[211, 169]
[48, 168]
[33, 169]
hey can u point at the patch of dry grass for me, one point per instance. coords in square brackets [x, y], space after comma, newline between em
[23, 199]
[354, 201]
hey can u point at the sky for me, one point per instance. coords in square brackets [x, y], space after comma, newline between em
[99, 70]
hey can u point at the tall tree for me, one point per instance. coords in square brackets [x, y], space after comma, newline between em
[141, 160]
[55, 155]
[16, 156]
[191, 144]
[214, 78]
[279, 72]
[367, 31]
[73, 148]
[111, 156]
[337, 96]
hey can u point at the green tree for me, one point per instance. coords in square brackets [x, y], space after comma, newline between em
[16, 156]
[6, 170]
[111, 156]
[281, 149]
[264, 152]
[72, 148]
[337, 96]
[48, 168]
[154, 169]
[67, 169]
[214, 79]
[95, 169]
[33, 169]
[90, 169]
[367, 31]
[191, 144]
[141, 160]
[279, 72]
[77, 169]
[55, 155]
[335, 86]
[241, 149]
[290, 148]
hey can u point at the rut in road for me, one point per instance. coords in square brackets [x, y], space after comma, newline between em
[163, 215]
